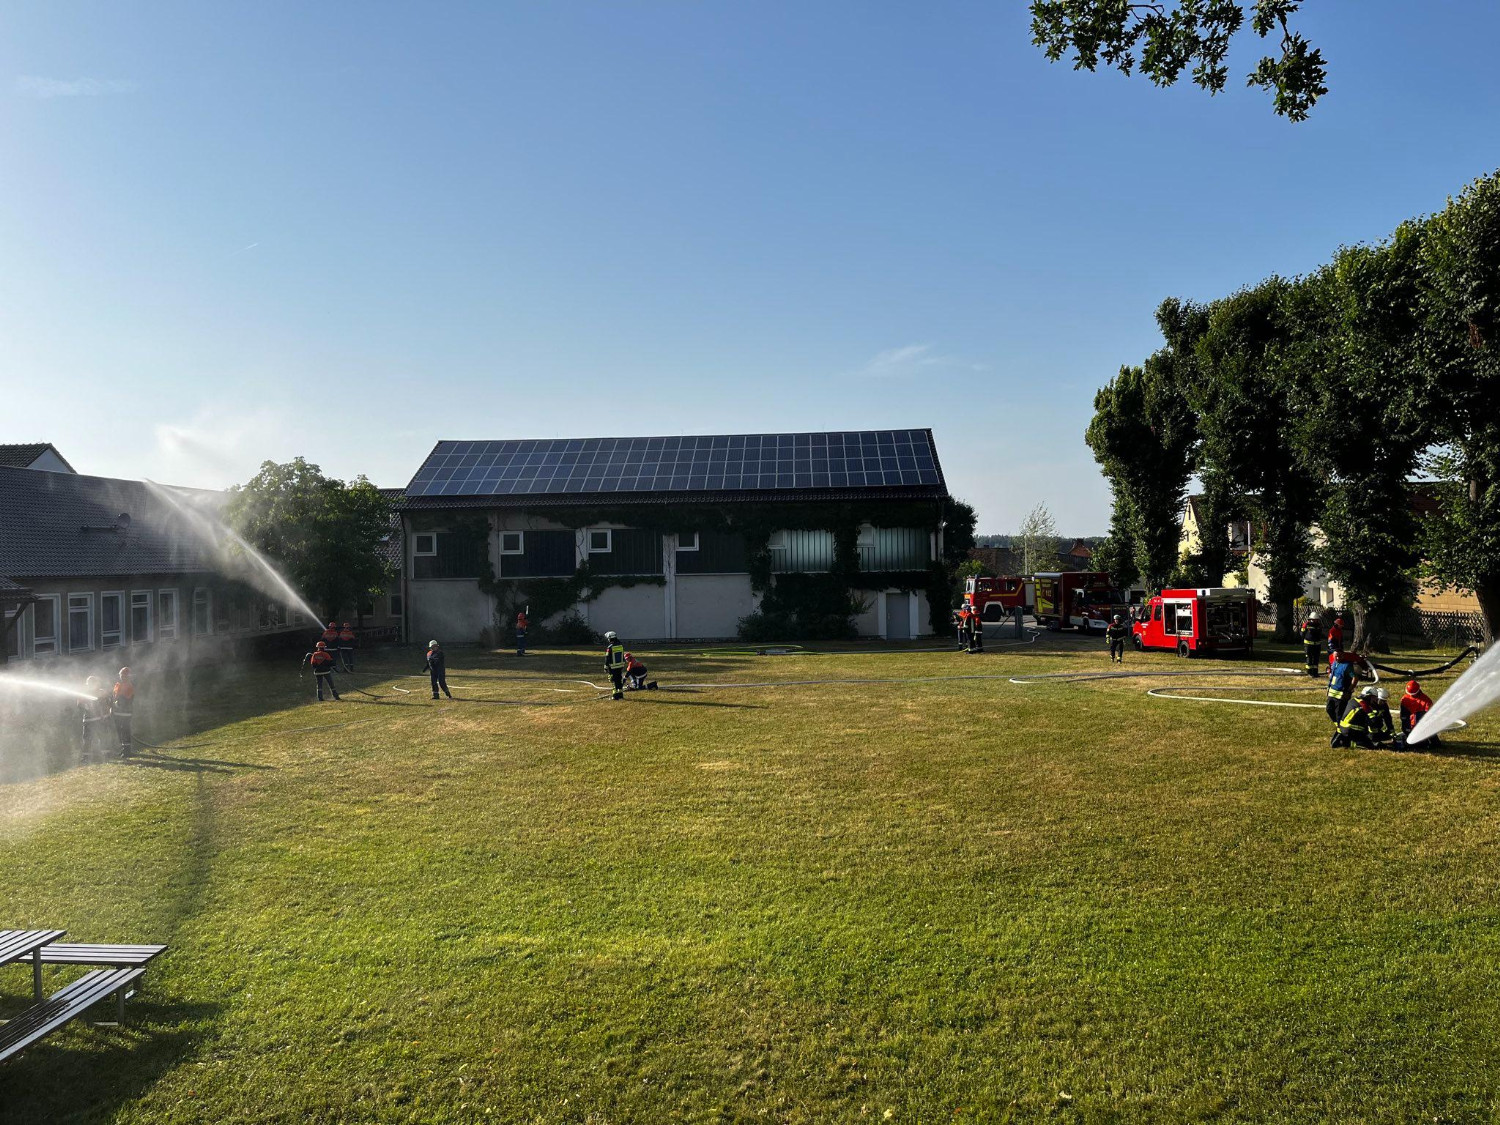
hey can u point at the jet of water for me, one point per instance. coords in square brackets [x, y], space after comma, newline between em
[1475, 690]
[16, 682]
[258, 570]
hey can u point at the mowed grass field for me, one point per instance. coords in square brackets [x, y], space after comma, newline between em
[942, 900]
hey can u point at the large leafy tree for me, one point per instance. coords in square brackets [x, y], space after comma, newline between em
[1460, 273]
[1116, 555]
[325, 534]
[1354, 329]
[1143, 433]
[1247, 435]
[1163, 39]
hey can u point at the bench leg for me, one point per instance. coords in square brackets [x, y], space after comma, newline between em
[120, 998]
[36, 974]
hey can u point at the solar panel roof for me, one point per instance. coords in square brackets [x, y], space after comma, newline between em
[880, 459]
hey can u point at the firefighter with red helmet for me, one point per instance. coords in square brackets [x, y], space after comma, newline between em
[122, 706]
[1336, 635]
[331, 636]
[322, 662]
[346, 647]
[635, 674]
[1414, 704]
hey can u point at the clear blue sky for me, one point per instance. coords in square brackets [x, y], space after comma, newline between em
[238, 232]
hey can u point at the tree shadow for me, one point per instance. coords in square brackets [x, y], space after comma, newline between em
[155, 760]
[657, 702]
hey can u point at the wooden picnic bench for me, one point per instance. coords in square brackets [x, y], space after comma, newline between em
[121, 967]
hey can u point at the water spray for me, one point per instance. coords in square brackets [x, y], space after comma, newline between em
[16, 682]
[1475, 690]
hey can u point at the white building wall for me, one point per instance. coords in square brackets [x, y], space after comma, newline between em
[637, 613]
[709, 606]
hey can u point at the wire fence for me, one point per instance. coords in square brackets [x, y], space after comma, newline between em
[1439, 629]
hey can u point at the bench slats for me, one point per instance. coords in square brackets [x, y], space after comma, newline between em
[65, 1004]
[60, 953]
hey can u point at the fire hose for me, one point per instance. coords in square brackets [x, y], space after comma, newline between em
[1414, 673]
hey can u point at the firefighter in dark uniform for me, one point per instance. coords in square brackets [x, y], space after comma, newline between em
[1312, 643]
[1343, 674]
[636, 673]
[961, 625]
[436, 666]
[94, 711]
[1355, 727]
[1336, 635]
[614, 663]
[976, 630]
[1382, 726]
[522, 624]
[1117, 633]
[346, 647]
[322, 662]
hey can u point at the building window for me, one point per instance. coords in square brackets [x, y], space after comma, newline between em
[601, 541]
[111, 620]
[166, 616]
[424, 544]
[44, 625]
[397, 606]
[80, 622]
[140, 617]
[778, 541]
[10, 625]
[203, 623]
[512, 542]
[687, 540]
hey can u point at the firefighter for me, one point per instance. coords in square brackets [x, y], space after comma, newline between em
[522, 624]
[635, 674]
[976, 630]
[331, 636]
[122, 706]
[1414, 704]
[1382, 728]
[1354, 728]
[1312, 643]
[346, 647]
[961, 626]
[614, 662]
[436, 666]
[1343, 674]
[322, 662]
[1336, 635]
[94, 711]
[1116, 634]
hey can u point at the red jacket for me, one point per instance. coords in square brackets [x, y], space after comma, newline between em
[346, 637]
[1413, 707]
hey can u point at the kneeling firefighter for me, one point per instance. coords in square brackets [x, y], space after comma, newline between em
[1356, 727]
[635, 674]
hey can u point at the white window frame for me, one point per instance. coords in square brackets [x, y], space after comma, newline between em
[865, 537]
[519, 548]
[55, 600]
[165, 630]
[687, 540]
[416, 544]
[778, 541]
[208, 612]
[609, 541]
[395, 605]
[123, 631]
[88, 607]
[150, 604]
[16, 631]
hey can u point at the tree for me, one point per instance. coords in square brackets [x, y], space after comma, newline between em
[1143, 434]
[1248, 434]
[1037, 538]
[1354, 326]
[1460, 272]
[1116, 555]
[1164, 39]
[325, 534]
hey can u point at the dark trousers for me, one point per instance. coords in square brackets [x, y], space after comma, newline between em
[319, 678]
[520, 642]
[1314, 657]
[1336, 706]
[976, 638]
[347, 656]
[122, 730]
[439, 680]
[1117, 651]
[95, 739]
[617, 677]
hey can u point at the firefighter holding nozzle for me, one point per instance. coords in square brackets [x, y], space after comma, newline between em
[1117, 633]
[1312, 643]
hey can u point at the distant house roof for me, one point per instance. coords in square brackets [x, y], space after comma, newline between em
[725, 468]
[57, 525]
[25, 456]
[996, 560]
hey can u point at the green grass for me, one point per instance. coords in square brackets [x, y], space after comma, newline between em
[935, 901]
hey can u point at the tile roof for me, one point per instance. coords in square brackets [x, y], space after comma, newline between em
[58, 525]
[21, 456]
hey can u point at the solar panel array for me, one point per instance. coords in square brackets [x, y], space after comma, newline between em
[870, 459]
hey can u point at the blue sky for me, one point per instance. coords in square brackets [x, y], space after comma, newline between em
[239, 232]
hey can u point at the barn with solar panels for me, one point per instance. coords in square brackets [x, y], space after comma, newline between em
[673, 537]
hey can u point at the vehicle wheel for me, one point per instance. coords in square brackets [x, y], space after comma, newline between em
[1137, 642]
[1182, 649]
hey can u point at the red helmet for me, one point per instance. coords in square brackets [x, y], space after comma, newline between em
[323, 644]
[629, 656]
[347, 625]
[333, 624]
[1413, 687]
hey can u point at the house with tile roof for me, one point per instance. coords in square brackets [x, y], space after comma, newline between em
[39, 455]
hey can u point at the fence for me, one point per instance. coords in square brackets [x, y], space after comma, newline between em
[1438, 629]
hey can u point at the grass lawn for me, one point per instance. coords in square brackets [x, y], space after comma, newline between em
[947, 900]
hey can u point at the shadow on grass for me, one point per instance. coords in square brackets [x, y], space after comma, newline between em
[1476, 751]
[87, 1073]
[657, 702]
[156, 760]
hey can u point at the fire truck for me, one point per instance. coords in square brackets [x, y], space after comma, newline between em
[1077, 600]
[1210, 620]
[995, 599]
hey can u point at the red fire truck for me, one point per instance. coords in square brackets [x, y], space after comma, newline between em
[997, 598]
[1082, 599]
[1210, 620]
